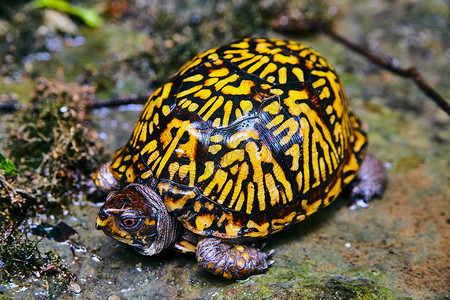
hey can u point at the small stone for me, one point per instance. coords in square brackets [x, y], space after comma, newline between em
[74, 287]
[113, 297]
[138, 267]
[59, 21]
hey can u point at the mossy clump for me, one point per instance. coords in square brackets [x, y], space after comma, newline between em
[53, 150]
[53, 146]
[20, 257]
[352, 288]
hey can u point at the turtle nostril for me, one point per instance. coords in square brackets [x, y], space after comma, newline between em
[103, 215]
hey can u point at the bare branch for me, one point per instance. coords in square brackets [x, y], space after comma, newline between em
[121, 100]
[117, 101]
[411, 73]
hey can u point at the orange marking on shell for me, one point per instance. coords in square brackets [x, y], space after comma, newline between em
[243, 173]
[273, 108]
[282, 75]
[209, 205]
[189, 91]
[272, 188]
[213, 149]
[197, 206]
[195, 78]
[275, 121]
[325, 94]
[240, 55]
[208, 171]
[264, 60]
[319, 82]
[181, 125]
[227, 112]
[226, 190]
[292, 126]
[183, 196]
[240, 45]
[250, 61]
[270, 68]
[241, 136]
[216, 104]
[234, 169]
[219, 179]
[219, 72]
[299, 74]
[260, 229]
[244, 88]
[294, 152]
[211, 81]
[203, 222]
[232, 228]
[283, 59]
[231, 157]
[334, 191]
[221, 83]
[281, 223]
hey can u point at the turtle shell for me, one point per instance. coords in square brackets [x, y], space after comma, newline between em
[246, 139]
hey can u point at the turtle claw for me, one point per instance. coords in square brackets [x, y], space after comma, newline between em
[269, 254]
[362, 203]
[359, 203]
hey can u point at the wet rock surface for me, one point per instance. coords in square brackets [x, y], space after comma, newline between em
[396, 248]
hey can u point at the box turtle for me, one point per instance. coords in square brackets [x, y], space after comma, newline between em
[244, 141]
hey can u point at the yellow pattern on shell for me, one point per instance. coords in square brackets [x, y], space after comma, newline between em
[252, 126]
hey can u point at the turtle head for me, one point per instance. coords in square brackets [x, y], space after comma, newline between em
[137, 216]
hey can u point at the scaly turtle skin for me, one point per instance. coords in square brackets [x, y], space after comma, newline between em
[243, 141]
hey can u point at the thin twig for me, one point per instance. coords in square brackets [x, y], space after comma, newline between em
[121, 100]
[411, 73]
[117, 101]
[312, 26]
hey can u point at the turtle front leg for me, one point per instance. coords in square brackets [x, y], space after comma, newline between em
[231, 261]
[369, 183]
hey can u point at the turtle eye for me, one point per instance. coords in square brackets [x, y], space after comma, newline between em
[130, 223]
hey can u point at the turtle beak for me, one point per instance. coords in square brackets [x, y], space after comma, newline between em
[98, 225]
[102, 220]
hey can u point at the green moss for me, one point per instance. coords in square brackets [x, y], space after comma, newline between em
[301, 282]
[313, 288]
[20, 257]
[7, 165]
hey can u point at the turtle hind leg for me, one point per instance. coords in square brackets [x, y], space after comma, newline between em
[104, 179]
[369, 183]
[229, 260]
